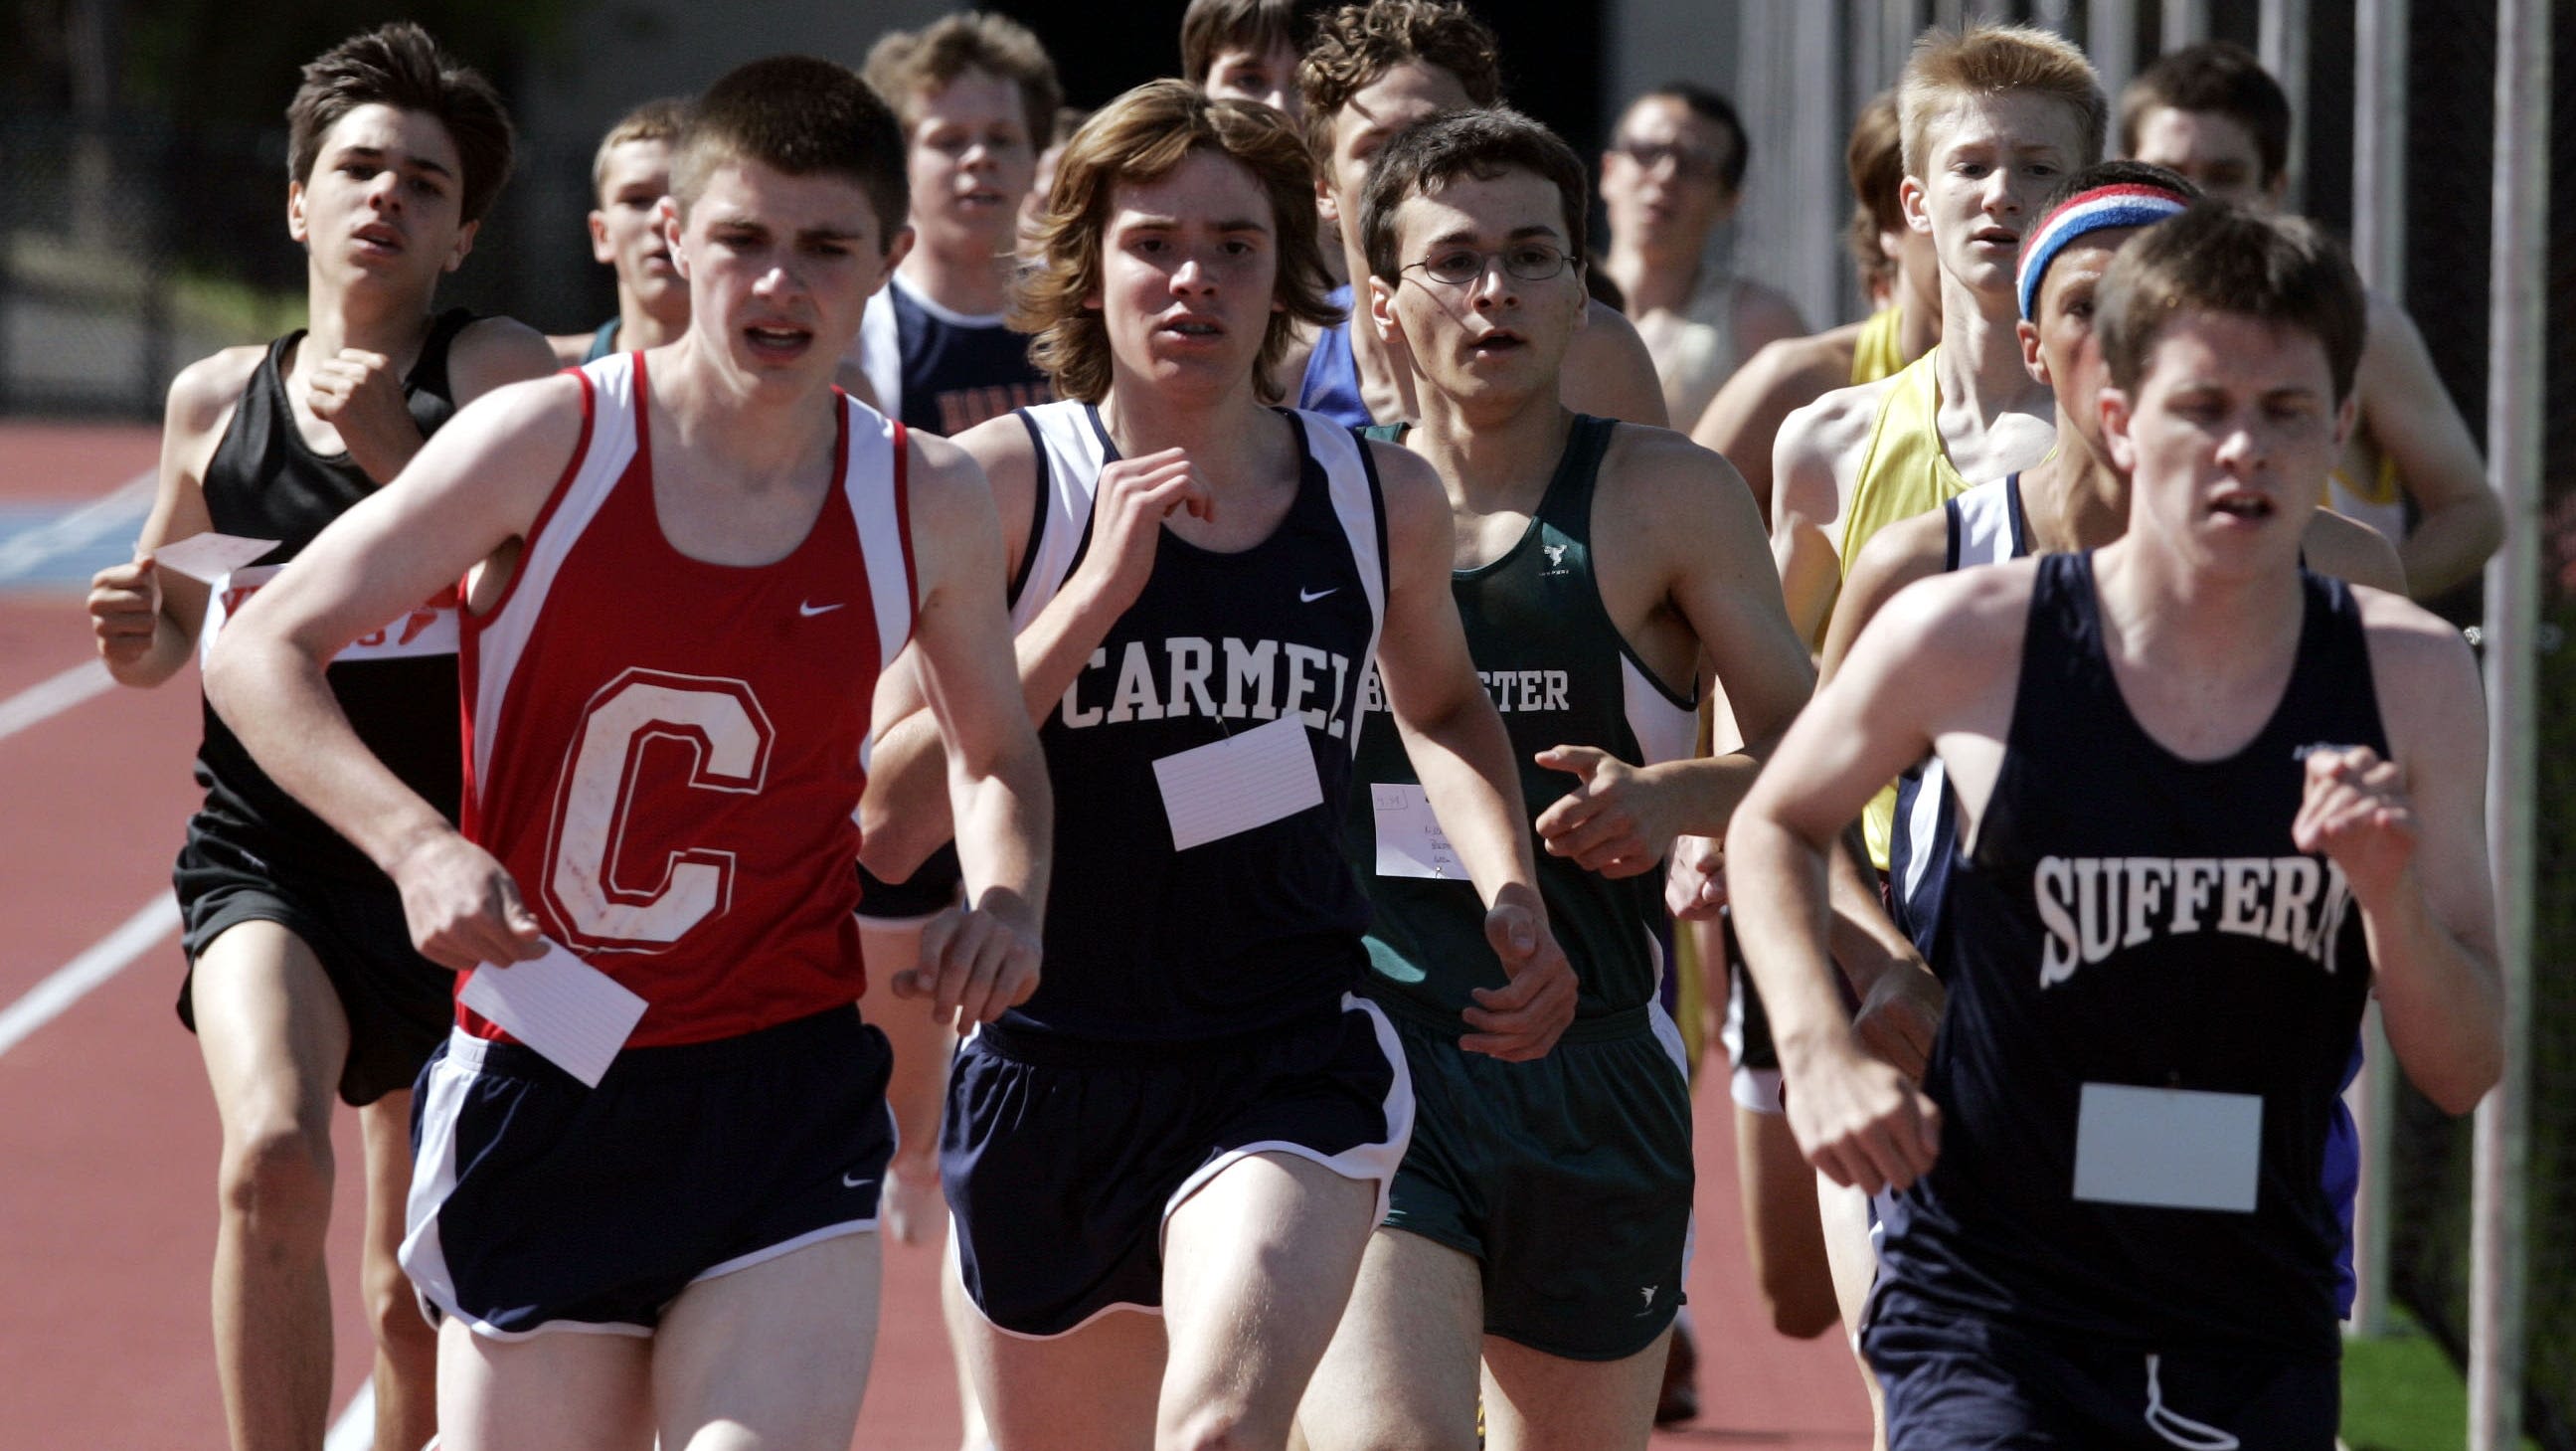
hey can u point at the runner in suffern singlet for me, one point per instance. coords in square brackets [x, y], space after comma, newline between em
[1540, 1225]
[1164, 1166]
[678, 1235]
[302, 980]
[2208, 804]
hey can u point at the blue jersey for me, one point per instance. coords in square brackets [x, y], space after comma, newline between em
[1148, 939]
[1331, 386]
[2143, 973]
[943, 371]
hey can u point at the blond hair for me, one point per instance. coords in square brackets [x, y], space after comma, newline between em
[1140, 137]
[655, 120]
[1950, 66]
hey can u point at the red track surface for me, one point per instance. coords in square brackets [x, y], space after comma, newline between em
[107, 1135]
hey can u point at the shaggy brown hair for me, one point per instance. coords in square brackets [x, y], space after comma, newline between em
[1209, 28]
[1141, 137]
[398, 65]
[905, 63]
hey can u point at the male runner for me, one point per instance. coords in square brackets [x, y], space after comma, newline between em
[1245, 50]
[1992, 117]
[2214, 114]
[301, 980]
[1902, 279]
[1196, 1117]
[2207, 803]
[977, 95]
[687, 1244]
[1371, 70]
[1540, 1222]
[630, 176]
[1671, 177]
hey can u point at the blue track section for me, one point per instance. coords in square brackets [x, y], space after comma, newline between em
[33, 559]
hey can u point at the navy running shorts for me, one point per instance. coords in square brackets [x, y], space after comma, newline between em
[1063, 1158]
[538, 1204]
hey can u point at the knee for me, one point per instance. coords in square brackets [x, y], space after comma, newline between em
[276, 1175]
[1217, 1428]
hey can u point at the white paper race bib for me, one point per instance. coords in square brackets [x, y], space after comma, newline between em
[1410, 842]
[428, 628]
[570, 1012]
[1251, 778]
[2169, 1148]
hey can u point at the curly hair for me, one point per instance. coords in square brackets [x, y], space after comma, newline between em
[398, 65]
[1141, 137]
[1356, 44]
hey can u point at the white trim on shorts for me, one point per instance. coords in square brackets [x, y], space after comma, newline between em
[1377, 1161]
[424, 1259]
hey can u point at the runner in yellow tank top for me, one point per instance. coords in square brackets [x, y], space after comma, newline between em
[1879, 351]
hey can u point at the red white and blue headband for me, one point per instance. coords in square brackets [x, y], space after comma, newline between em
[2121, 204]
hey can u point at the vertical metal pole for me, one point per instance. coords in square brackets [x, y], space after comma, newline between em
[1815, 131]
[2053, 15]
[2186, 22]
[2111, 36]
[2282, 42]
[2518, 312]
[2379, 247]
[1900, 21]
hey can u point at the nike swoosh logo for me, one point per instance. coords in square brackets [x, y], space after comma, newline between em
[1306, 597]
[809, 610]
[848, 1182]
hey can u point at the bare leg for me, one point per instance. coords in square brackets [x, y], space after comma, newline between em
[274, 1039]
[1845, 1216]
[1401, 1374]
[406, 1374]
[1781, 1230]
[957, 1315]
[565, 1390]
[1258, 1265]
[1540, 1402]
[1090, 1390]
[773, 1357]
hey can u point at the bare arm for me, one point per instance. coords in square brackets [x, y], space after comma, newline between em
[1931, 659]
[2410, 836]
[1807, 504]
[477, 486]
[1463, 757]
[145, 622]
[1743, 421]
[1609, 374]
[2409, 416]
[2351, 551]
[1763, 317]
[977, 964]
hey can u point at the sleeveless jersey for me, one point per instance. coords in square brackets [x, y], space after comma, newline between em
[665, 753]
[2128, 920]
[1331, 386]
[603, 340]
[943, 371]
[2379, 502]
[1986, 527]
[1147, 941]
[1561, 672]
[1904, 472]
[397, 684]
[1878, 351]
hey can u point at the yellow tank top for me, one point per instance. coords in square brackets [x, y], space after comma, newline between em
[1879, 350]
[2379, 503]
[1905, 472]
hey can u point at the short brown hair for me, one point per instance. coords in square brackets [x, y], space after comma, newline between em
[398, 65]
[1209, 28]
[1140, 137]
[1874, 161]
[2223, 258]
[1484, 144]
[2219, 76]
[655, 120]
[905, 63]
[1986, 60]
[1358, 43]
[801, 116]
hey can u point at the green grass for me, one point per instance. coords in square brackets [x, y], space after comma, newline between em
[2401, 1394]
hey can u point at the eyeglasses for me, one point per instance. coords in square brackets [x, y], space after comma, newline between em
[1465, 266]
[1688, 162]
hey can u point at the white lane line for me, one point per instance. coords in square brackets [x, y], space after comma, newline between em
[52, 696]
[356, 1428]
[121, 509]
[73, 981]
